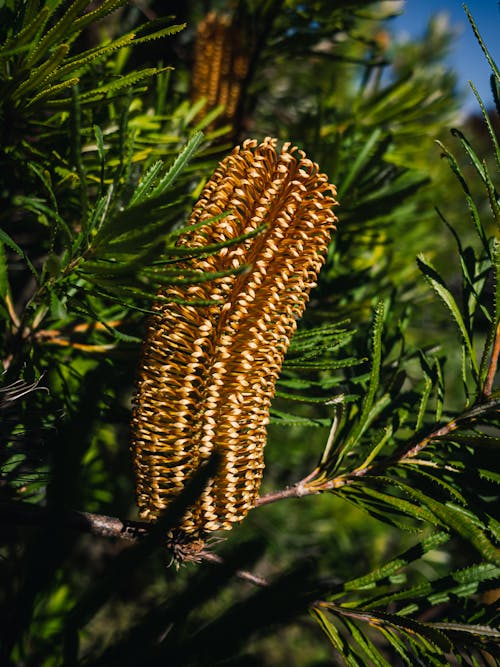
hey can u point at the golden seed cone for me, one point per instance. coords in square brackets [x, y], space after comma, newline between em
[221, 61]
[208, 373]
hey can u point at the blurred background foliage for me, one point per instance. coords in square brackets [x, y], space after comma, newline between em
[105, 146]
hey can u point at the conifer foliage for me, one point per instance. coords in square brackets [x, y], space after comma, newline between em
[129, 222]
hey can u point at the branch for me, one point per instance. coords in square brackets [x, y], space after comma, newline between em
[317, 481]
[298, 490]
[22, 513]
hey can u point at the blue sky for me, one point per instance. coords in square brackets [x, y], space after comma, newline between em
[466, 58]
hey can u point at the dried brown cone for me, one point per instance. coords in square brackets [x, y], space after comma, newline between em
[221, 61]
[208, 373]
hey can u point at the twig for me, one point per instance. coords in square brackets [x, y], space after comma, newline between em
[101, 525]
[22, 513]
[210, 557]
[310, 486]
[297, 490]
[488, 385]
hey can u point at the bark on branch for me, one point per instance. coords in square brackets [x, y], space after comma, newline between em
[22, 513]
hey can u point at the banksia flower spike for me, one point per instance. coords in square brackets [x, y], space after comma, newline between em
[221, 61]
[208, 372]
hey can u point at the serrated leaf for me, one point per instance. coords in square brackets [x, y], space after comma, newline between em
[59, 31]
[466, 525]
[103, 9]
[146, 183]
[468, 196]
[384, 504]
[437, 479]
[490, 60]
[461, 583]
[487, 120]
[376, 360]
[325, 364]
[432, 639]
[82, 60]
[39, 207]
[125, 81]
[282, 418]
[333, 634]
[476, 630]
[439, 286]
[42, 73]
[409, 556]
[52, 91]
[25, 36]
[6, 239]
[179, 164]
[394, 640]
[302, 398]
[490, 475]
[156, 32]
[369, 652]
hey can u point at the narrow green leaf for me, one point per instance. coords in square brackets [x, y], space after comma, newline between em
[394, 640]
[105, 8]
[189, 277]
[481, 631]
[282, 418]
[146, 183]
[427, 594]
[490, 475]
[332, 633]
[487, 120]
[77, 63]
[59, 31]
[179, 164]
[322, 365]
[466, 525]
[424, 400]
[5, 238]
[189, 228]
[39, 207]
[482, 170]
[490, 60]
[159, 33]
[4, 277]
[468, 196]
[376, 360]
[371, 656]
[359, 161]
[409, 556]
[436, 479]
[123, 82]
[41, 73]
[433, 640]
[100, 145]
[474, 158]
[53, 91]
[25, 37]
[439, 286]
[303, 398]
[384, 504]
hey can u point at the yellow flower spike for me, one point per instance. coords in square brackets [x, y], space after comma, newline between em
[221, 61]
[208, 373]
